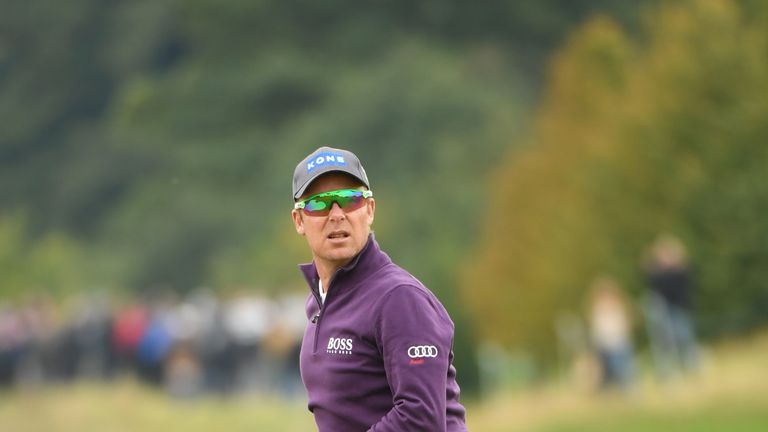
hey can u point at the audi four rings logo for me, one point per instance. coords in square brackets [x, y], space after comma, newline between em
[422, 351]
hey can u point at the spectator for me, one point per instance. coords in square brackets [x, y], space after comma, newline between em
[668, 306]
[610, 331]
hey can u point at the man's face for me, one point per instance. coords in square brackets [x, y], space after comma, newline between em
[337, 237]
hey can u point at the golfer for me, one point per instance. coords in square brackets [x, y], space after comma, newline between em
[377, 352]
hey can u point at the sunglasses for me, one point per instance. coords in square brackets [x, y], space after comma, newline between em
[320, 204]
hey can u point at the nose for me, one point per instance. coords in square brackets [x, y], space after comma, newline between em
[336, 213]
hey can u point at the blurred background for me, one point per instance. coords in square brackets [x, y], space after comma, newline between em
[581, 183]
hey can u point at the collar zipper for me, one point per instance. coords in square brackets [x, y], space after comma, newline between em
[316, 318]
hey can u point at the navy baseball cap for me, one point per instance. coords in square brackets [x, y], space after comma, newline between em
[325, 160]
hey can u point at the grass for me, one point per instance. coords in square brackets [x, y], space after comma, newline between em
[731, 394]
[127, 406]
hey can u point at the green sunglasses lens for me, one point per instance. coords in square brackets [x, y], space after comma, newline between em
[347, 199]
[317, 205]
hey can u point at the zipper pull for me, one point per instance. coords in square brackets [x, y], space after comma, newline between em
[315, 318]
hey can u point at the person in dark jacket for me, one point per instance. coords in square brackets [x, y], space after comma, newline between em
[377, 350]
[668, 307]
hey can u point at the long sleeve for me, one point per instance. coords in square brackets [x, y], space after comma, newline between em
[415, 336]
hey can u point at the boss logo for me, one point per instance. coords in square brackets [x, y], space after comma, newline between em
[339, 346]
[422, 351]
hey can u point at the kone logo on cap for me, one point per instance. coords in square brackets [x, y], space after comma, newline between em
[324, 159]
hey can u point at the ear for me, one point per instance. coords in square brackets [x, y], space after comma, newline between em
[298, 221]
[371, 210]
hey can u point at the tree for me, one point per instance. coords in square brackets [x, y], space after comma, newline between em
[633, 139]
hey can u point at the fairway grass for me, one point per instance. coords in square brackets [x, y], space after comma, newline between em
[127, 406]
[730, 394]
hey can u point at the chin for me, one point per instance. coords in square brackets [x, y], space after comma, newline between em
[342, 255]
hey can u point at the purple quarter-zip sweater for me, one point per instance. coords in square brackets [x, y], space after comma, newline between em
[377, 356]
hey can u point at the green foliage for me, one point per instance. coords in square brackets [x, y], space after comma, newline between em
[156, 132]
[51, 266]
[632, 140]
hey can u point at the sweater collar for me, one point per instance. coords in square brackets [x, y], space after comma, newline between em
[370, 258]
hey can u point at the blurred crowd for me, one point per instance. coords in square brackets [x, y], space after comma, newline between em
[201, 344]
[191, 346]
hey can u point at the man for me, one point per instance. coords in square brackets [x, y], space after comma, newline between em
[668, 307]
[377, 351]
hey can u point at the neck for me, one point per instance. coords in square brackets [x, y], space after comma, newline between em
[326, 269]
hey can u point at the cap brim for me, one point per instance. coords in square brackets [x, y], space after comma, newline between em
[303, 188]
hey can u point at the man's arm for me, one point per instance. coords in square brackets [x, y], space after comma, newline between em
[415, 337]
